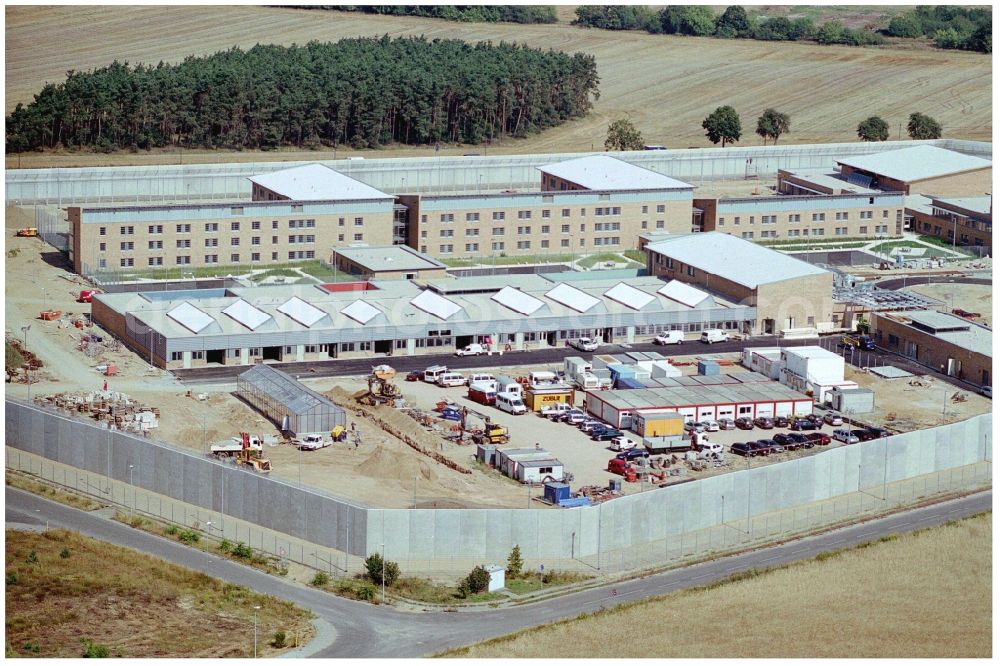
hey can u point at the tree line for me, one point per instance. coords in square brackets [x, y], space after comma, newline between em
[467, 13]
[364, 92]
[723, 125]
[950, 27]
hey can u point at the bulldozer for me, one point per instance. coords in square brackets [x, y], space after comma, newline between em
[251, 457]
[380, 387]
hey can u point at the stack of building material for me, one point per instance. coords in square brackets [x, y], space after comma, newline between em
[110, 407]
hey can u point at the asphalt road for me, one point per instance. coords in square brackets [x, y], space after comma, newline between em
[554, 355]
[364, 630]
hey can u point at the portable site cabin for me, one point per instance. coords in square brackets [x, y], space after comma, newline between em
[292, 406]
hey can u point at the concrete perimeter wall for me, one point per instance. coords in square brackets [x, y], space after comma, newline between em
[662, 521]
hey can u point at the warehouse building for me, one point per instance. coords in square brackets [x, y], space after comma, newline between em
[289, 404]
[619, 408]
[811, 369]
[300, 323]
[790, 295]
[529, 465]
[943, 342]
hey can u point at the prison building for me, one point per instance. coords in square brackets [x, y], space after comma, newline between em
[966, 221]
[387, 262]
[789, 295]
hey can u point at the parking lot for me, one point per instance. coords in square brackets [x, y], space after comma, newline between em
[585, 458]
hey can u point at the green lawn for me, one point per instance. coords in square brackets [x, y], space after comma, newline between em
[820, 241]
[594, 259]
[509, 261]
[313, 267]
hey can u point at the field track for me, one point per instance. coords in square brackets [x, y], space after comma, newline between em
[667, 85]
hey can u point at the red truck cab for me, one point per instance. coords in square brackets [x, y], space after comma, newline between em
[618, 466]
[87, 295]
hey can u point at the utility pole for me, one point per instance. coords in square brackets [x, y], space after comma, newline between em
[255, 609]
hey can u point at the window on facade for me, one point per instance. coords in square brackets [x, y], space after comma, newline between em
[472, 247]
[103, 247]
[103, 231]
[472, 217]
[565, 212]
[234, 226]
[546, 213]
[183, 260]
[156, 245]
[472, 232]
[524, 214]
[155, 261]
[211, 242]
[447, 217]
[211, 226]
[127, 245]
[234, 258]
[358, 237]
[498, 215]
[155, 229]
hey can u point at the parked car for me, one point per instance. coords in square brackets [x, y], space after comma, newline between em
[726, 423]
[815, 418]
[846, 436]
[692, 426]
[710, 425]
[832, 418]
[669, 338]
[604, 435]
[589, 424]
[575, 417]
[312, 442]
[557, 410]
[414, 376]
[762, 446]
[785, 440]
[769, 445]
[803, 424]
[801, 440]
[818, 438]
[780, 421]
[618, 466]
[584, 344]
[743, 449]
[710, 447]
[863, 435]
[879, 432]
[474, 349]
[763, 422]
[632, 454]
[744, 423]
[623, 443]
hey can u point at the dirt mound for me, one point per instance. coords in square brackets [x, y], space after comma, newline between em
[385, 464]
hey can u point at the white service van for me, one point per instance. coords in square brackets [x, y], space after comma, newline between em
[451, 379]
[669, 338]
[482, 378]
[474, 349]
[511, 404]
[714, 335]
[432, 373]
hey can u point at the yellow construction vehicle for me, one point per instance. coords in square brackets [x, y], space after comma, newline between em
[27, 232]
[380, 387]
[250, 457]
[491, 433]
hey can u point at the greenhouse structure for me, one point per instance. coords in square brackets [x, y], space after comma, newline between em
[292, 406]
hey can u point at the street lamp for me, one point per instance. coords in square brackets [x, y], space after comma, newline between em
[255, 609]
[132, 509]
[383, 573]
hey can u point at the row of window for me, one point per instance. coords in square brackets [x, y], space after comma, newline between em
[213, 227]
[797, 217]
[497, 215]
[185, 260]
[838, 231]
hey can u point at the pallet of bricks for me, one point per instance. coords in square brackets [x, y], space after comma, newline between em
[108, 407]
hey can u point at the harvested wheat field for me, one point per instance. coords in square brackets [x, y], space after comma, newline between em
[921, 595]
[666, 84]
[61, 593]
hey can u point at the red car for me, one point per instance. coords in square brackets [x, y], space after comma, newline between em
[414, 376]
[618, 466]
[820, 438]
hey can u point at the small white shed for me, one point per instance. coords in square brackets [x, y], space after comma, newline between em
[497, 577]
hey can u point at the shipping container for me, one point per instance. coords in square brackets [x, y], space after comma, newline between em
[658, 424]
[536, 399]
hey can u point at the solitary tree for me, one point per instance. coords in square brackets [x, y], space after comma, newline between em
[622, 135]
[923, 127]
[873, 129]
[772, 124]
[514, 562]
[723, 125]
[476, 582]
[374, 566]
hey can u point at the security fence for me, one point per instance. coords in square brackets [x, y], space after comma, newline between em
[655, 528]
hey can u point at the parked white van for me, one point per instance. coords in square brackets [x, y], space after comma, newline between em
[483, 378]
[511, 404]
[669, 338]
[432, 373]
[474, 349]
[451, 379]
[714, 335]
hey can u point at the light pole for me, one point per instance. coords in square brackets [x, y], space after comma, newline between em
[414, 491]
[255, 609]
[383, 573]
[132, 508]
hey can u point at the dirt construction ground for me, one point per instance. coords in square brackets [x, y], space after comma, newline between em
[665, 84]
[969, 297]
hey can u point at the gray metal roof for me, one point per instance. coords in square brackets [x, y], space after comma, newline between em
[948, 328]
[734, 259]
[916, 163]
[388, 258]
[826, 178]
[295, 396]
[601, 172]
[666, 398]
[982, 205]
[317, 182]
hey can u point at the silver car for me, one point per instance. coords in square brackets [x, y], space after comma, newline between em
[726, 423]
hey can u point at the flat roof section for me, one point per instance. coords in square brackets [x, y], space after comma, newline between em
[683, 293]
[982, 205]
[517, 300]
[246, 314]
[600, 172]
[916, 163]
[190, 317]
[383, 258]
[826, 178]
[733, 258]
[949, 328]
[572, 297]
[314, 182]
[629, 296]
[436, 305]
